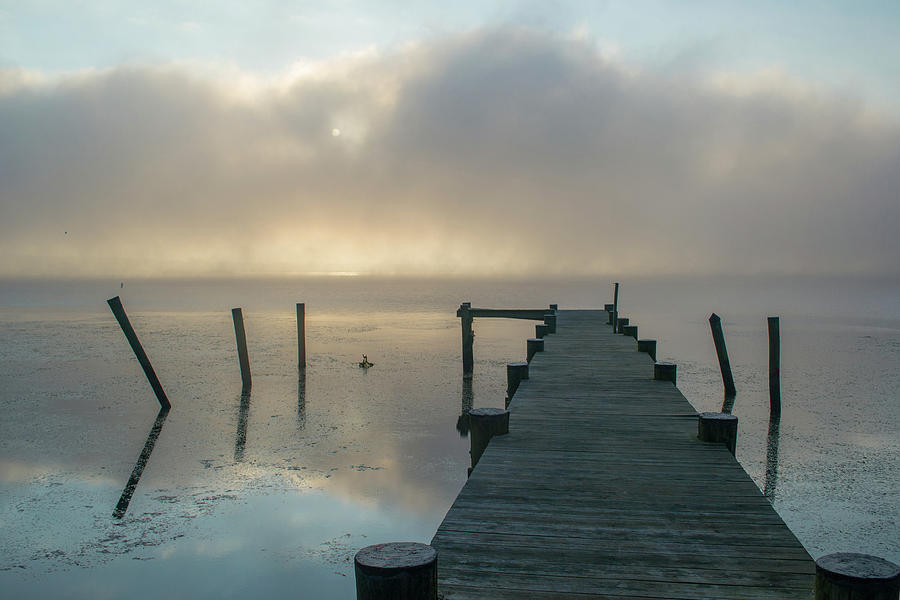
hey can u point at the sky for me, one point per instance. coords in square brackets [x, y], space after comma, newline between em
[484, 138]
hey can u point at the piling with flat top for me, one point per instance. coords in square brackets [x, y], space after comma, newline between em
[615, 312]
[648, 346]
[715, 325]
[533, 345]
[301, 335]
[630, 330]
[515, 373]
[541, 329]
[485, 423]
[554, 307]
[718, 428]
[774, 367]
[664, 371]
[241, 337]
[550, 322]
[396, 571]
[620, 323]
[468, 337]
[852, 576]
[115, 304]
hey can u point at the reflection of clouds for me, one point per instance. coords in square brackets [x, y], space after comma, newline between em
[15, 471]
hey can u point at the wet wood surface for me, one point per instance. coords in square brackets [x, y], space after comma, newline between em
[601, 489]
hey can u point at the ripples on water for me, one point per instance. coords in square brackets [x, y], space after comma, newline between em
[276, 491]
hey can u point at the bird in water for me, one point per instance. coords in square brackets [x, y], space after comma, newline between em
[364, 363]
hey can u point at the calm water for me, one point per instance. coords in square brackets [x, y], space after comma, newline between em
[274, 494]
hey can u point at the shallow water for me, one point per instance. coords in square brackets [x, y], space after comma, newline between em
[276, 492]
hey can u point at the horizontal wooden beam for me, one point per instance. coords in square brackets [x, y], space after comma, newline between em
[536, 314]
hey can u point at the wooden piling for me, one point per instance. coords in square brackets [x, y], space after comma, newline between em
[630, 330]
[718, 428]
[468, 337]
[241, 338]
[774, 367]
[852, 576]
[648, 346]
[550, 322]
[554, 307]
[301, 335]
[715, 325]
[620, 323]
[396, 571]
[664, 371]
[485, 423]
[533, 346]
[115, 304]
[515, 373]
[540, 330]
[615, 312]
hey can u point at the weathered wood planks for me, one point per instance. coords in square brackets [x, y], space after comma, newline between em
[601, 489]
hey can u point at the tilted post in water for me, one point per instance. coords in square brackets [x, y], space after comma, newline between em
[241, 339]
[115, 304]
[774, 367]
[615, 313]
[301, 335]
[715, 324]
[468, 337]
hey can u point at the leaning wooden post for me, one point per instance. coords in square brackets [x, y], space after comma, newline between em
[774, 367]
[468, 337]
[115, 304]
[852, 576]
[664, 371]
[485, 423]
[715, 324]
[533, 346]
[648, 346]
[515, 373]
[396, 571]
[550, 322]
[301, 335]
[241, 338]
[615, 313]
[718, 427]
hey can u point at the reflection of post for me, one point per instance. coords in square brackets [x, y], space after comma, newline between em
[125, 499]
[301, 399]
[240, 440]
[462, 422]
[468, 337]
[119, 312]
[241, 337]
[772, 458]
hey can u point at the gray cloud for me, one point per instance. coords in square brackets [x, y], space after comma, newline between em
[494, 151]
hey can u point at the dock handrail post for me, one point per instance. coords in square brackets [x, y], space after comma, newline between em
[609, 313]
[850, 575]
[648, 346]
[396, 571]
[515, 373]
[665, 371]
[115, 304]
[468, 337]
[774, 367]
[550, 322]
[485, 423]
[301, 335]
[718, 427]
[541, 330]
[630, 331]
[620, 323]
[715, 325]
[241, 339]
[615, 313]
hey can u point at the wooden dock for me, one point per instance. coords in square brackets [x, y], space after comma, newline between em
[601, 489]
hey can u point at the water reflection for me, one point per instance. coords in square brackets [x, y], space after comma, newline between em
[772, 457]
[462, 422]
[301, 400]
[125, 499]
[240, 440]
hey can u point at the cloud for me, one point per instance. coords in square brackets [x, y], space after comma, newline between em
[494, 151]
